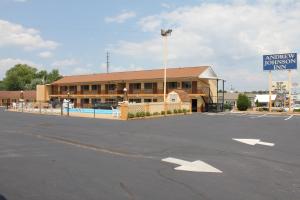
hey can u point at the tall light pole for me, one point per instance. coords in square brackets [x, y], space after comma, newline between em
[165, 34]
[22, 98]
[125, 94]
[68, 103]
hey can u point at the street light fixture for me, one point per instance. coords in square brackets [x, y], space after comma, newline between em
[165, 34]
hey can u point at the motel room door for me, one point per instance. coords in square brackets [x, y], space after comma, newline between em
[194, 105]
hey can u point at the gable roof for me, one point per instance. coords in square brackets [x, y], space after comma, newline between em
[183, 72]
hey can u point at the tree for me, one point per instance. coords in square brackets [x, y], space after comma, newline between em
[24, 77]
[2, 86]
[53, 76]
[243, 102]
[18, 76]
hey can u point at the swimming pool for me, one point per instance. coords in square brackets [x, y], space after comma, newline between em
[89, 110]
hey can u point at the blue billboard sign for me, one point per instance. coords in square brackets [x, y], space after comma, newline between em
[280, 61]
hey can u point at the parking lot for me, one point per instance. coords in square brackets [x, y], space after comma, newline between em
[53, 157]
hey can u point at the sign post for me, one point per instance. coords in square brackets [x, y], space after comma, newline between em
[290, 90]
[270, 91]
[280, 62]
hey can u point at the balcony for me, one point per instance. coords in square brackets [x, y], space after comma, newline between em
[90, 92]
[70, 92]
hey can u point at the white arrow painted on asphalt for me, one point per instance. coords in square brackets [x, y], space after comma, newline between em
[254, 142]
[195, 166]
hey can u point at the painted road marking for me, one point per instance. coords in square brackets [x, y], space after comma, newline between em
[258, 116]
[195, 166]
[254, 142]
[289, 117]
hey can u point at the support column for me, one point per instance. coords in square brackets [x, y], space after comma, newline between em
[270, 91]
[290, 90]
[217, 95]
[223, 96]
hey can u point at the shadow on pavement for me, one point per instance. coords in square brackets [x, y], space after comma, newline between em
[2, 197]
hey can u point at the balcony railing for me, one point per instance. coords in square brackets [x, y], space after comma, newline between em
[66, 92]
[90, 92]
[202, 90]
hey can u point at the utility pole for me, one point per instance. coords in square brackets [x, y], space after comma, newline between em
[107, 62]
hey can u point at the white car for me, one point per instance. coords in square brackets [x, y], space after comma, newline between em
[293, 107]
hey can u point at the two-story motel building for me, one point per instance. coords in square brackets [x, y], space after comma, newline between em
[142, 86]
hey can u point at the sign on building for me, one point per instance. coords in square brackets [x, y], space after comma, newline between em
[280, 61]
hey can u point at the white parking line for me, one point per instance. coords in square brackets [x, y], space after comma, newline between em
[258, 116]
[289, 117]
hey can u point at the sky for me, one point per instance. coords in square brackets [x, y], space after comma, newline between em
[74, 36]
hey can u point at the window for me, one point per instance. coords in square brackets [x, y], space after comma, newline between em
[148, 86]
[111, 86]
[111, 101]
[85, 87]
[95, 87]
[147, 100]
[64, 88]
[135, 100]
[136, 86]
[186, 85]
[72, 88]
[85, 101]
[172, 85]
[96, 101]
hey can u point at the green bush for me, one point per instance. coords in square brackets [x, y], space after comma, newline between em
[156, 113]
[175, 111]
[188, 110]
[130, 115]
[138, 114]
[179, 111]
[296, 110]
[227, 106]
[142, 114]
[169, 112]
[262, 109]
[184, 111]
[243, 102]
[148, 114]
[162, 112]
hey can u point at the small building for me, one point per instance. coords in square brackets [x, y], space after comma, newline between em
[232, 97]
[263, 99]
[7, 97]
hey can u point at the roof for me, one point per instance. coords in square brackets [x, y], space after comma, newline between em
[264, 98]
[183, 95]
[28, 94]
[135, 75]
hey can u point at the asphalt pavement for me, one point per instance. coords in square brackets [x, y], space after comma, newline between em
[53, 157]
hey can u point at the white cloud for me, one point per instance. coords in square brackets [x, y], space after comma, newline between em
[45, 54]
[8, 63]
[12, 34]
[71, 66]
[20, 1]
[166, 5]
[114, 68]
[125, 15]
[65, 63]
[231, 37]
